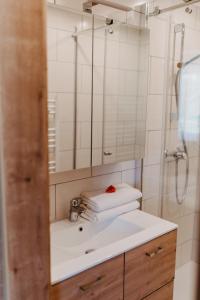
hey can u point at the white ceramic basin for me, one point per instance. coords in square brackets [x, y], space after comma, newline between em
[77, 247]
[85, 237]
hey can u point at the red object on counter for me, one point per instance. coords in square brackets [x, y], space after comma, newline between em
[111, 189]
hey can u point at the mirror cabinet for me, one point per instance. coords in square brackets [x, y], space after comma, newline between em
[97, 89]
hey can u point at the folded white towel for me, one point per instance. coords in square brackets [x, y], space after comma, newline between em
[91, 216]
[100, 200]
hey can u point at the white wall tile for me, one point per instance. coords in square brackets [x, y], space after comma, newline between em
[158, 36]
[65, 46]
[84, 129]
[186, 227]
[156, 85]
[65, 138]
[195, 251]
[128, 56]
[196, 233]
[83, 158]
[85, 49]
[65, 192]
[84, 79]
[84, 107]
[97, 135]
[113, 54]
[99, 47]
[186, 252]
[51, 76]
[128, 165]
[129, 176]
[154, 112]
[52, 197]
[151, 181]
[98, 80]
[153, 147]
[51, 44]
[178, 256]
[64, 161]
[96, 157]
[65, 107]
[98, 108]
[65, 77]
[151, 206]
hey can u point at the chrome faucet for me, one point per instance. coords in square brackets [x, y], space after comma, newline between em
[76, 208]
[177, 154]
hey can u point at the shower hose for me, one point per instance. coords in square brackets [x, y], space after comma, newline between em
[181, 154]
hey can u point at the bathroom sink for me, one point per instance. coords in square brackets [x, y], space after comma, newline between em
[85, 237]
[76, 247]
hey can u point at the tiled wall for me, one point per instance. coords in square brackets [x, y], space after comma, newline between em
[187, 216]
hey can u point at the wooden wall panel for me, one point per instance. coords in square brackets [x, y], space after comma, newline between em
[25, 156]
[1, 269]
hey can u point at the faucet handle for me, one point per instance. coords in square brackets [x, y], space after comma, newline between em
[76, 202]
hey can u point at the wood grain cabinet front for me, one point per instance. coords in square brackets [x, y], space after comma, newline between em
[165, 293]
[104, 282]
[150, 267]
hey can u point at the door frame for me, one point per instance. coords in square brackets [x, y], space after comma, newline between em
[25, 258]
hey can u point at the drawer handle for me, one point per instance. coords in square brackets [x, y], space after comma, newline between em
[160, 250]
[154, 253]
[151, 254]
[88, 286]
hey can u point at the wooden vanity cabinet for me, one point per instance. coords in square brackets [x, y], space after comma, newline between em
[150, 267]
[103, 282]
[165, 293]
[144, 273]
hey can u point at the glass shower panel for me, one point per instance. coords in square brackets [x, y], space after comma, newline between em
[180, 182]
[189, 95]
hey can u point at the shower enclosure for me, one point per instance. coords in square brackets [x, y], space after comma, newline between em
[180, 163]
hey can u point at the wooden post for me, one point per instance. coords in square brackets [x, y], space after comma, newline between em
[23, 107]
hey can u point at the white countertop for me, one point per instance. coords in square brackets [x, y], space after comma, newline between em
[65, 262]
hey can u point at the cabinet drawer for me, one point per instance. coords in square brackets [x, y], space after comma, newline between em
[165, 293]
[104, 282]
[150, 267]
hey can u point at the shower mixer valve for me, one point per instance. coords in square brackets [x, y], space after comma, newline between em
[178, 154]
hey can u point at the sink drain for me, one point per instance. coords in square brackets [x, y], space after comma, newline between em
[89, 251]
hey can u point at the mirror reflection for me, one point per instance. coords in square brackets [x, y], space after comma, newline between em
[98, 69]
